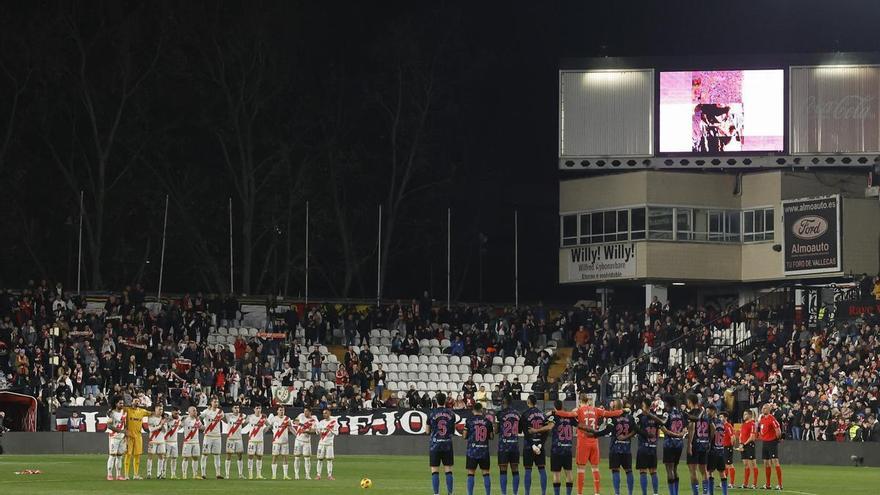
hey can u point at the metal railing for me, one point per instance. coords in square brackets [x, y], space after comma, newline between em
[627, 370]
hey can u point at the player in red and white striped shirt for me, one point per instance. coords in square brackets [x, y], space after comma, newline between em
[327, 430]
[191, 426]
[302, 444]
[172, 430]
[116, 435]
[257, 425]
[156, 442]
[234, 446]
[281, 428]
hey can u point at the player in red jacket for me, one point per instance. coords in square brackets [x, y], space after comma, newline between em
[770, 433]
[729, 441]
[747, 436]
[588, 417]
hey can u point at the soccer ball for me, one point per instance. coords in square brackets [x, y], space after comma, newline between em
[366, 483]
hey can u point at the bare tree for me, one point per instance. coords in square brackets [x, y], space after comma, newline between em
[101, 151]
[407, 106]
[246, 79]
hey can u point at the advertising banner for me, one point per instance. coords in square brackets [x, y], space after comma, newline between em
[369, 422]
[835, 109]
[866, 308]
[811, 239]
[616, 260]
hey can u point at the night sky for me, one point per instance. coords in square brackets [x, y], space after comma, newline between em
[490, 146]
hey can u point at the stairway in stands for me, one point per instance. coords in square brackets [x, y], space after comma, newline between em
[338, 351]
[560, 360]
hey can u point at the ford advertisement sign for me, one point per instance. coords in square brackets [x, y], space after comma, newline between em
[812, 235]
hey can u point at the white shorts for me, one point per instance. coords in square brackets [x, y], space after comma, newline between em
[117, 446]
[234, 446]
[255, 448]
[280, 448]
[325, 451]
[191, 450]
[171, 450]
[302, 448]
[211, 445]
[156, 448]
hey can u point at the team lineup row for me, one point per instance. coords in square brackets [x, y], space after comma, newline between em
[165, 432]
[703, 434]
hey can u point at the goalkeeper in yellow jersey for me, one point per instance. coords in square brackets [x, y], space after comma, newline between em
[134, 438]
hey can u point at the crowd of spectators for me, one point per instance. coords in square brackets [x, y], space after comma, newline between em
[55, 350]
[822, 381]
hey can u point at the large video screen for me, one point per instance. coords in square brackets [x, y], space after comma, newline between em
[722, 111]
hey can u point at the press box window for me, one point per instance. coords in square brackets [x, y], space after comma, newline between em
[569, 230]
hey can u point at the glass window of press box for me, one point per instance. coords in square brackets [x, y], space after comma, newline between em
[668, 223]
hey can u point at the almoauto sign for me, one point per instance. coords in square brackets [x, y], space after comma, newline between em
[811, 239]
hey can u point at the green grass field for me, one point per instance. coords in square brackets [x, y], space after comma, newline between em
[390, 474]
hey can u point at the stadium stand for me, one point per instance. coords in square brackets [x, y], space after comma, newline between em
[70, 351]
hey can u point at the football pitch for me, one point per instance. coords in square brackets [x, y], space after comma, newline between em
[84, 474]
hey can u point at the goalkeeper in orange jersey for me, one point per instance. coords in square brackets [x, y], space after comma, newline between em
[134, 439]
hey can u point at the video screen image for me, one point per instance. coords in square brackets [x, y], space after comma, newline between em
[722, 111]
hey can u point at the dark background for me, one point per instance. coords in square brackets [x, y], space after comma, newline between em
[419, 106]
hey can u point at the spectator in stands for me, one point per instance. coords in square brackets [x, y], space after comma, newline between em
[341, 378]
[316, 360]
[539, 387]
[75, 422]
[457, 348]
[366, 359]
[397, 344]
[411, 346]
[350, 359]
[379, 380]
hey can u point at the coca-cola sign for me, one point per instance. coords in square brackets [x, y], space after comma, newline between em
[856, 107]
[835, 109]
[812, 235]
[809, 227]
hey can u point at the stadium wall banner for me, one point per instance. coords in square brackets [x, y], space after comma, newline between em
[811, 238]
[616, 260]
[379, 422]
[854, 309]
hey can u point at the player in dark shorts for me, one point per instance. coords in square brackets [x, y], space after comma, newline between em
[730, 442]
[562, 431]
[533, 419]
[697, 444]
[507, 430]
[441, 428]
[621, 429]
[676, 422]
[647, 426]
[717, 456]
[478, 432]
[747, 436]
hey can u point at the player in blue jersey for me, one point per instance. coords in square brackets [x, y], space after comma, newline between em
[441, 428]
[562, 434]
[507, 429]
[697, 444]
[648, 425]
[620, 455]
[717, 452]
[478, 432]
[676, 422]
[533, 420]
